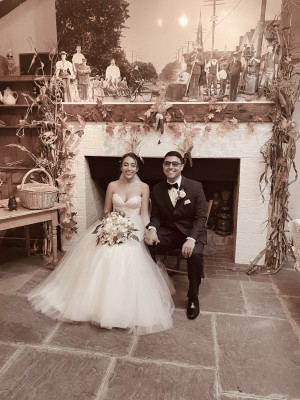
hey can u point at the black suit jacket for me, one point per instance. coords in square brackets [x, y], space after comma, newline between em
[189, 214]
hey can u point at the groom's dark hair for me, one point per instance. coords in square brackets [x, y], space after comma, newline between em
[174, 154]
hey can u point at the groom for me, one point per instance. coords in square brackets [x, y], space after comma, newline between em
[178, 220]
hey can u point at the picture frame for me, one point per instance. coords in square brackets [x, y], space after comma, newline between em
[31, 66]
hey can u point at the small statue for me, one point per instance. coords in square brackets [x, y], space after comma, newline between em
[34, 92]
[83, 73]
[11, 62]
[12, 204]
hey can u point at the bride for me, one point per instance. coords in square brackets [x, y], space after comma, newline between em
[111, 286]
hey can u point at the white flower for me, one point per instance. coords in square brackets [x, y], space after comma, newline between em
[181, 194]
[115, 228]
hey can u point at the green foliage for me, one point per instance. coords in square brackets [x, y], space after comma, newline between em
[170, 72]
[147, 70]
[95, 25]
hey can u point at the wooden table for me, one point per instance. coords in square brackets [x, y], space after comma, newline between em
[24, 217]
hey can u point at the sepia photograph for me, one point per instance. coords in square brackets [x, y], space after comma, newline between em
[149, 200]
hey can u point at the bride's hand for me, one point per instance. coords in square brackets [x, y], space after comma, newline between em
[151, 237]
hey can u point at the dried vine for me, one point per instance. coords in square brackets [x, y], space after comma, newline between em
[279, 153]
[56, 147]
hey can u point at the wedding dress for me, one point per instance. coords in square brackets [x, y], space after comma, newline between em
[111, 286]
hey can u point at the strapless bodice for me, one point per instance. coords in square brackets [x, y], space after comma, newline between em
[131, 207]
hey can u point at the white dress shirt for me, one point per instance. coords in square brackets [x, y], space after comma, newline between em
[173, 193]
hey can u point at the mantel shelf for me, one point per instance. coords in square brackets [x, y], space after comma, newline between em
[4, 106]
[193, 111]
[21, 78]
[15, 127]
[4, 168]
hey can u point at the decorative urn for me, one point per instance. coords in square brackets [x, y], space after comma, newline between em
[9, 97]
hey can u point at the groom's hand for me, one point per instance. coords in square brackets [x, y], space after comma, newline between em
[187, 248]
[151, 237]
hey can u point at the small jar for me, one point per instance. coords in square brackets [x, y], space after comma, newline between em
[12, 203]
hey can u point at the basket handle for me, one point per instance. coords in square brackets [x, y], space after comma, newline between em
[34, 170]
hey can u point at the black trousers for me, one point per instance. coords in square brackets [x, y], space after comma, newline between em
[233, 86]
[175, 240]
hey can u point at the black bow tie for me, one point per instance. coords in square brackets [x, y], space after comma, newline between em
[172, 185]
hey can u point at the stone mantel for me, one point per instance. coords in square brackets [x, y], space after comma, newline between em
[193, 111]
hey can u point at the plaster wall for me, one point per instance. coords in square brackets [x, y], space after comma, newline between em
[294, 203]
[32, 24]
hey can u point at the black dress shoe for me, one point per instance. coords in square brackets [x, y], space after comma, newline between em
[193, 308]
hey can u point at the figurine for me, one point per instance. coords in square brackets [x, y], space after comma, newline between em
[34, 92]
[98, 92]
[77, 59]
[11, 62]
[12, 204]
[64, 70]
[83, 73]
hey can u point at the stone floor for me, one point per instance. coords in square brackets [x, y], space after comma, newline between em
[244, 345]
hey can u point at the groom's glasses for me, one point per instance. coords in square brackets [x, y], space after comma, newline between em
[169, 163]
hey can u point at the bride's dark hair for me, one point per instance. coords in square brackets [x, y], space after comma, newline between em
[132, 155]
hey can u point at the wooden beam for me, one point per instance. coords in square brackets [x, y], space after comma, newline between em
[6, 6]
[193, 112]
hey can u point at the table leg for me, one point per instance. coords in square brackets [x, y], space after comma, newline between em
[54, 243]
[27, 239]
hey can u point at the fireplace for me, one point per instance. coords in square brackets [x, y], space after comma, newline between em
[216, 175]
[222, 161]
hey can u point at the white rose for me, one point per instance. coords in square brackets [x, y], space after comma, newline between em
[181, 194]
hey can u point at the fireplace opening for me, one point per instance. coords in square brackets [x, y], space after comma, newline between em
[220, 180]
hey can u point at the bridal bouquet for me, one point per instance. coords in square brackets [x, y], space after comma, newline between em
[115, 228]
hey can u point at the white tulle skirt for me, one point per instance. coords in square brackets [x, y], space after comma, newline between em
[111, 286]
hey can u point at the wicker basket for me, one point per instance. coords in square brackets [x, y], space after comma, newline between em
[35, 195]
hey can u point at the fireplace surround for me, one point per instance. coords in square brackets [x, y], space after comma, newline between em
[240, 146]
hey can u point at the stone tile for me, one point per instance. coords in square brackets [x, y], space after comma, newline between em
[288, 282]
[15, 260]
[262, 300]
[221, 295]
[20, 323]
[34, 280]
[224, 272]
[10, 283]
[138, 380]
[92, 338]
[259, 356]
[234, 397]
[212, 276]
[260, 278]
[181, 285]
[45, 375]
[239, 278]
[293, 305]
[6, 351]
[187, 342]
